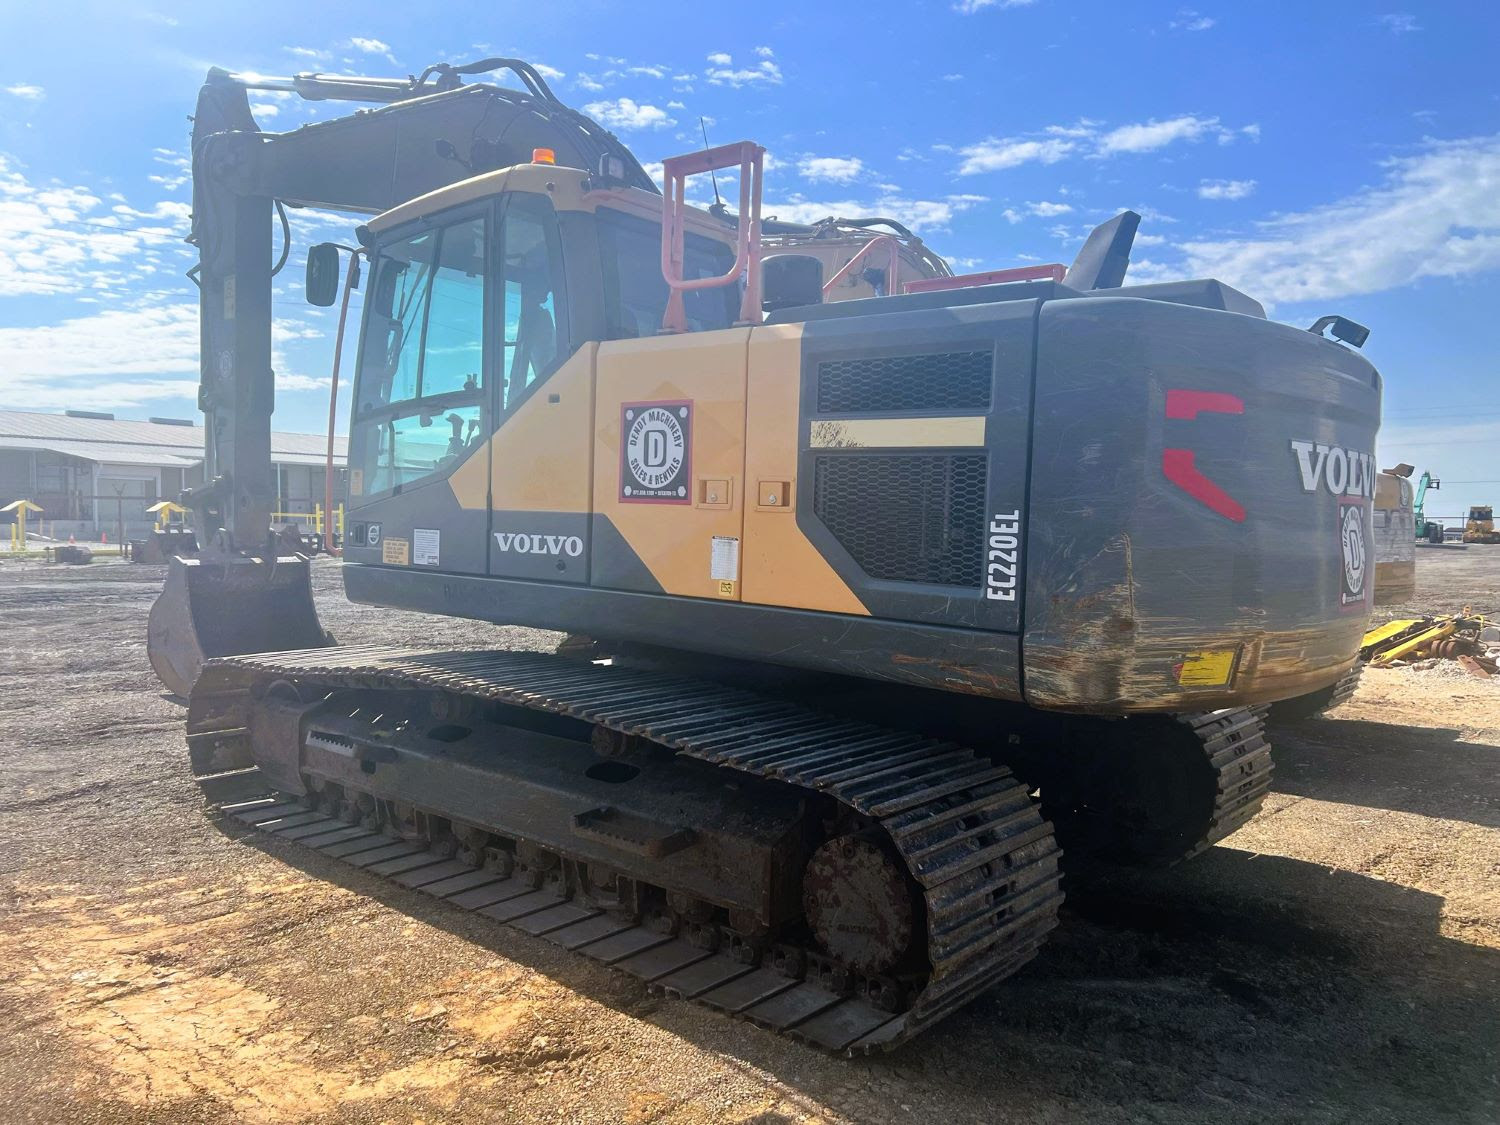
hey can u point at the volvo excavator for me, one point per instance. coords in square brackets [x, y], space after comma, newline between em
[871, 601]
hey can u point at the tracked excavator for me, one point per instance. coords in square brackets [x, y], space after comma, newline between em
[859, 578]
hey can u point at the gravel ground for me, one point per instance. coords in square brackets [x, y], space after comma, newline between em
[1338, 959]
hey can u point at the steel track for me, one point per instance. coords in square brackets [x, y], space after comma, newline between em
[984, 859]
[1235, 744]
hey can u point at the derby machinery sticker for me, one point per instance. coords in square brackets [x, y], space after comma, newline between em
[656, 452]
[1354, 550]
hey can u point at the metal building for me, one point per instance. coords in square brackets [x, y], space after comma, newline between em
[93, 473]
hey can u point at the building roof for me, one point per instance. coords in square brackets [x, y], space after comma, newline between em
[120, 441]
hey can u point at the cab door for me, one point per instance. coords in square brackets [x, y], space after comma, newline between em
[420, 400]
[539, 476]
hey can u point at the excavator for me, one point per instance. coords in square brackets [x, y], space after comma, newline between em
[870, 602]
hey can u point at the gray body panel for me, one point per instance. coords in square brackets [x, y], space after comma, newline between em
[981, 663]
[1128, 572]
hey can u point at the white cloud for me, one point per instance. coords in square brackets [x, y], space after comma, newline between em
[1042, 210]
[969, 7]
[995, 155]
[372, 47]
[723, 72]
[1090, 138]
[180, 169]
[1083, 127]
[1437, 214]
[652, 71]
[57, 239]
[623, 113]
[54, 365]
[312, 53]
[837, 169]
[918, 214]
[265, 109]
[1225, 189]
[588, 82]
[1153, 134]
[1189, 20]
[953, 78]
[765, 52]
[551, 73]
[26, 93]
[1399, 23]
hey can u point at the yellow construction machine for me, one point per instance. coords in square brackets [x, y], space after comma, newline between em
[1480, 527]
[860, 575]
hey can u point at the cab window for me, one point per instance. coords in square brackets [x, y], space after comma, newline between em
[635, 293]
[420, 395]
[532, 278]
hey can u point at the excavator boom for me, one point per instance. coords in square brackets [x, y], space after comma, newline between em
[243, 592]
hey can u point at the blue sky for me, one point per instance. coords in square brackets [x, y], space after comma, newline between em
[1330, 157]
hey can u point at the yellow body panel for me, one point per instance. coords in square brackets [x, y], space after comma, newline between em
[564, 456]
[706, 369]
[781, 566]
[541, 456]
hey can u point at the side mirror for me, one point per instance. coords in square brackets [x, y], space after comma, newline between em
[322, 274]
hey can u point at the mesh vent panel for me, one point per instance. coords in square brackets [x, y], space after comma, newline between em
[906, 518]
[942, 381]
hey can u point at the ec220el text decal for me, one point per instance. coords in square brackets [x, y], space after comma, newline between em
[1002, 557]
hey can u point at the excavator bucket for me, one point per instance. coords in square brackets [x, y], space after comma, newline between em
[229, 607]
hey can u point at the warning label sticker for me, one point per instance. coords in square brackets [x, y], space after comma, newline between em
[724, 559]
[424, 546]
[1210, 668]
[395, 552]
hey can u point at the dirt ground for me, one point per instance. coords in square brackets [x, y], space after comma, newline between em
[1338, 959]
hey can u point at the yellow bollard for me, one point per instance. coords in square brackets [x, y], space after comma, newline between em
[18, 529]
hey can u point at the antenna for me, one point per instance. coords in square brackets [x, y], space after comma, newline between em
[719, 203]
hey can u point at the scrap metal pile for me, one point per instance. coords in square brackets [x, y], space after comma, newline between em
[1473, 640]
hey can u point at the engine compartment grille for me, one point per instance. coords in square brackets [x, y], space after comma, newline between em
[935, 381]
[906, 517]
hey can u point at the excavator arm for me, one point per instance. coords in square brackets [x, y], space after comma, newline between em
[431, 131]
[239, 595]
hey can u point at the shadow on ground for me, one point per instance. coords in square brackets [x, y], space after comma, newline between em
[1235, 985]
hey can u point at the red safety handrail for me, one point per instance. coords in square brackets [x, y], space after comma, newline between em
[1055, 271]
[750, 158]
[880, 242]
